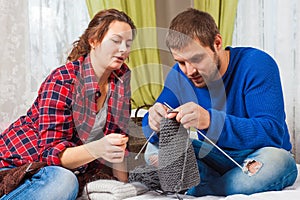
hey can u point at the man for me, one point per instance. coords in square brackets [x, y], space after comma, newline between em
[234, 97]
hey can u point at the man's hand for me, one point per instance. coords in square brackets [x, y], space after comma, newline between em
[191, 115]
[156, 113]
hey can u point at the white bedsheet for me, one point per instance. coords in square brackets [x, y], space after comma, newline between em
[289, 193]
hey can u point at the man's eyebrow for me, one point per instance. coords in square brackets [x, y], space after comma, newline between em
[198, 55]
[194, 57]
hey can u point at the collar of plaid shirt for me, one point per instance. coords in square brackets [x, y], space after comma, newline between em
[86, 94]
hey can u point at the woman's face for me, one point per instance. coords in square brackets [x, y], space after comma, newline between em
[115, 47]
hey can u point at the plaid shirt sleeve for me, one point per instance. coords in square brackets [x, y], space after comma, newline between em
[55, 121]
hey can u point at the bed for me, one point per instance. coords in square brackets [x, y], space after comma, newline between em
[290, 193]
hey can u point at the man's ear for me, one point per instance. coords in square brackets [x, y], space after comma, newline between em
[218, 42]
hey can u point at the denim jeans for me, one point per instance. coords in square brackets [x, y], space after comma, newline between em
[220, 176]
[50, 183]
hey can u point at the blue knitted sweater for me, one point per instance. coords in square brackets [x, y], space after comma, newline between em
[246, 106]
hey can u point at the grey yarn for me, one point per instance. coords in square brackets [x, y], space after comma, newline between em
[147, 175]
[177, 169]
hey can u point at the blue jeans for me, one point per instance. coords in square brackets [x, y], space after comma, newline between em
[220, 176]
[50, 182]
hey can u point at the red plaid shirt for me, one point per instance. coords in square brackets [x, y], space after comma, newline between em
[64, 113]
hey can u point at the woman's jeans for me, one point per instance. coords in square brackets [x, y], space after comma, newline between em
[220, 176]
[49, 183]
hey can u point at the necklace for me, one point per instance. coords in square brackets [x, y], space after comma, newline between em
[103, 91]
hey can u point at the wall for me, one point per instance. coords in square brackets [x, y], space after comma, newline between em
[166, 10]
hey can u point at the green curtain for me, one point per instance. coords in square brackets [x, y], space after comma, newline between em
[144, 60]
[224, 13]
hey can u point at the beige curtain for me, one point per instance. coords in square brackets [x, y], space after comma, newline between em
[144, 60]
[36, 36]
[224, 13]
[14, 67]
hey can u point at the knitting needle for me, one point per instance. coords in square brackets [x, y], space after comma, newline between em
[212, 143]
[170, 111]
[221, 150]
[137, 156]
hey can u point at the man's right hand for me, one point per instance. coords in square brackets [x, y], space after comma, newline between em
[156, 113]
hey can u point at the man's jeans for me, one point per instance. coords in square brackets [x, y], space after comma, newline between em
[51, 182]
[220, 176]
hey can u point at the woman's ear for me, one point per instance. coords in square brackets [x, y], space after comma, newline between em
[92, 44]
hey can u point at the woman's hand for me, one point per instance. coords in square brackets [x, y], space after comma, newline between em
[110, 148]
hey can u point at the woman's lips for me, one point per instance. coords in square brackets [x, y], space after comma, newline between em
[120, 58]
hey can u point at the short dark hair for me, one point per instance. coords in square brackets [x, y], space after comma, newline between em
[190, 25]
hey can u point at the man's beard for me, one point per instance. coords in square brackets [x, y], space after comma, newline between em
[215, 75]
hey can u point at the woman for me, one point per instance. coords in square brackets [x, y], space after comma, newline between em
[80, 115]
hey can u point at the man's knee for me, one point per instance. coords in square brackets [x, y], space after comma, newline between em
[251, 167]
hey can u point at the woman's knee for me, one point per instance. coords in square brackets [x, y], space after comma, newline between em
[64, 179]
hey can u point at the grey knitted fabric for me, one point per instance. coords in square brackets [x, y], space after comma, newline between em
[177, 169]
[147, 175]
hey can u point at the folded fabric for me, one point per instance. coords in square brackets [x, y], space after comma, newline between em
[111, 190]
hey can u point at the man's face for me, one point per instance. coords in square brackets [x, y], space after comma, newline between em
[200, 64]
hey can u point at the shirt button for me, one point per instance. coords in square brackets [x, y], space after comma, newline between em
[97, 94]
[76, 172]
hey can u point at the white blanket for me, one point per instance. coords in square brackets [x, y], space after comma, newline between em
[289, 193]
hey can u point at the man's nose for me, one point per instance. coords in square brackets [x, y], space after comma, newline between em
[190, 69]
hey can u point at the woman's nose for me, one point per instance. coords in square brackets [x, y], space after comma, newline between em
[123, 47]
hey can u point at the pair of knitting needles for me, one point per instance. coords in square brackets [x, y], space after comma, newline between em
[223, 152]
[171, 110]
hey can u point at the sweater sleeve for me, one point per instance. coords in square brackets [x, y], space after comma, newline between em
[255, 115]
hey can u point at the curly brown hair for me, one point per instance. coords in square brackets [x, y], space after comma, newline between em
[96, 31]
